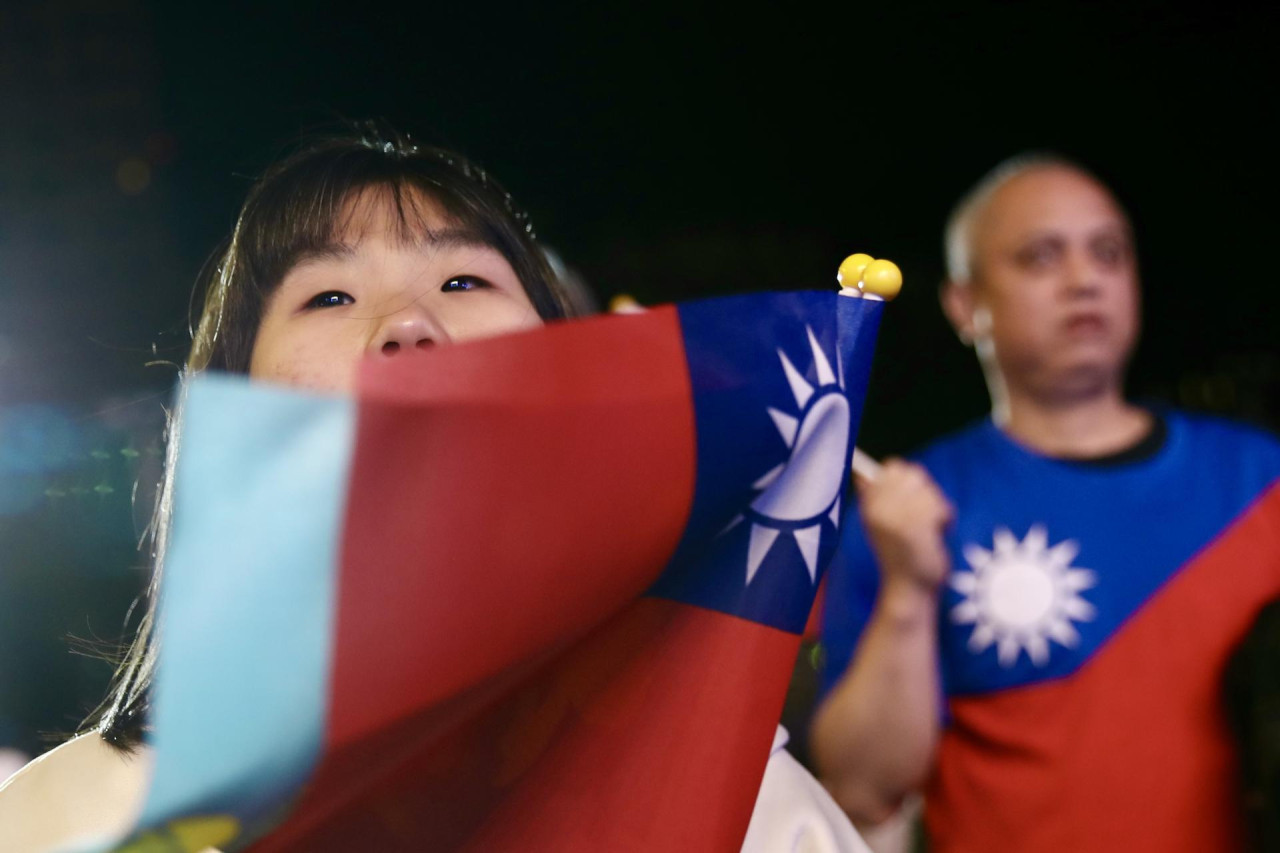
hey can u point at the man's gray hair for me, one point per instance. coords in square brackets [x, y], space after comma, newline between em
[958, 236]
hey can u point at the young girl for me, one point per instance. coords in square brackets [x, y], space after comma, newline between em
[355, 247]
[364, 245]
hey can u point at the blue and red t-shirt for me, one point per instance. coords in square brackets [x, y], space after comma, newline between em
[1083, 633]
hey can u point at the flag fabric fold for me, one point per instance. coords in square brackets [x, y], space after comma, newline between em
[537, 592]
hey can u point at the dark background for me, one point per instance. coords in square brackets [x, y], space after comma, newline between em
[669, 154]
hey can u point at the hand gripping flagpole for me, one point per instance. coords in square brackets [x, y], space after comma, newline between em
[863, 277]
[864, 466]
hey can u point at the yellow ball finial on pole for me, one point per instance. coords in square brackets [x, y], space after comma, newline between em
[625, 303]
[882, 278]
[850, 272]
[863, 275]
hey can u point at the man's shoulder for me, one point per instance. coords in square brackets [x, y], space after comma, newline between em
[1214, 433]
[1192, 433]
[1231, 450]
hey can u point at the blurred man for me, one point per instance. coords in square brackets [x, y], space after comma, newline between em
[1032, 620]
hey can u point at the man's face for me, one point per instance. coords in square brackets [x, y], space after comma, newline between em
[1054, 289]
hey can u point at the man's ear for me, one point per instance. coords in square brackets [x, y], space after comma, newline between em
[958, 304]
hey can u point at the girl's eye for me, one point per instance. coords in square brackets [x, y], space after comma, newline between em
[330, 299]
[463, 282]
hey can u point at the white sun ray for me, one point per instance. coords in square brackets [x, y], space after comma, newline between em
[1036, 540]
[786, 424]
[1007, 648]
[966, 612]
[964, 582]
[1078, 609]
[1078, 579]
[766, 480]
[1064, 552]
[834, 515]
[737, 519]
[1037, 649]
[1019, 596]
[757, 547]
[809, 538]
[977, 557]
[800, 388]
[1004, 542]
[1062, 631]
[826, 376]
[982, 638]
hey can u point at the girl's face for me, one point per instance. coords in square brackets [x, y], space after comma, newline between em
[375, 294]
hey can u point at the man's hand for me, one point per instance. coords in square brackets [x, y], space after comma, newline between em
[905, 513]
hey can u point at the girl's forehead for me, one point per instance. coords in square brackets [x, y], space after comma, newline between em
[409, 216]
[376, 220]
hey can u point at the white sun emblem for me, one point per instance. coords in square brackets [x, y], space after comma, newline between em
[1022, 594]
[799, 493]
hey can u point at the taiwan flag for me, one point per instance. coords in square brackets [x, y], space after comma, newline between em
[541, 592]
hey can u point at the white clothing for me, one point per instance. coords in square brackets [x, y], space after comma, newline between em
[794, 813]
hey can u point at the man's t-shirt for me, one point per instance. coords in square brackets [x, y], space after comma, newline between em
[1083, 633]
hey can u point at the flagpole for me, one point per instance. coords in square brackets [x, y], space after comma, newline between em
[864, 466]
[863, 277]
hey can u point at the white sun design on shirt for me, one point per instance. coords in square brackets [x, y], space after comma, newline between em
[1022, 594]
[799, 493]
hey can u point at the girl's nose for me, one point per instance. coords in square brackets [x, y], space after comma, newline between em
[412, 328]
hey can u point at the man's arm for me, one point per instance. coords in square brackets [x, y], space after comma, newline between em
[875, 734]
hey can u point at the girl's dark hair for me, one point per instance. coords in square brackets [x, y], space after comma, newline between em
[300, 205]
